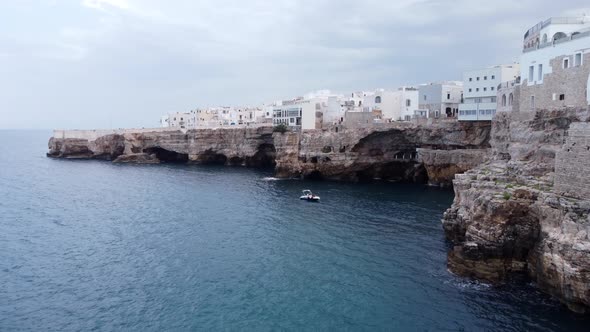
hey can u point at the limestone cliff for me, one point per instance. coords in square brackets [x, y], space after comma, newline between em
[245, 147]
[396, 152]
[513, 217]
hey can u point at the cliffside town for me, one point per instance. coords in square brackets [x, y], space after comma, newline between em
[512, 140]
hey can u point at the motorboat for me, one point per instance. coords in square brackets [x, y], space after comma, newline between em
[309, 196]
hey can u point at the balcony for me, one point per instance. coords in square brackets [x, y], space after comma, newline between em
[574, 36]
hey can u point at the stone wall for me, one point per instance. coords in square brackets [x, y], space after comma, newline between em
[571, 82]
[572, 167]
[504, 91]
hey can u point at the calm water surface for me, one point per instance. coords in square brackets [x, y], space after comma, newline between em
[89, 245]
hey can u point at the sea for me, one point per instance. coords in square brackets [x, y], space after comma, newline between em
[95, 246]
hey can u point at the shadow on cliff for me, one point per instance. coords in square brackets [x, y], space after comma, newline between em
[167, 156]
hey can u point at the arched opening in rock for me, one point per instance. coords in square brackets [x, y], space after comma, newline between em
[236, 161]
[314, 175]
[264, 157]
[210, 157]
[167, 156]
[397, 171]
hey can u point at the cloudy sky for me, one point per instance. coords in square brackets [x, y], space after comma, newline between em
[123, 63]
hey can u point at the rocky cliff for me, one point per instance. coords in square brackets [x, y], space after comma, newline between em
[252, 147]
[517, 216]
[399, 152]
[396, 152]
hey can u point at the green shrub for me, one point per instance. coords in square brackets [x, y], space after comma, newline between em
[507, 196]
[280, 128]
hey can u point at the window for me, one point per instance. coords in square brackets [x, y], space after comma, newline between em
[485, 78]
[424, 97]
[470, 79]
[448, 96]
[469, 89]
[578, 60]
[492, 88]
[485, 89]
[561, 97]
[531, 73]
[493, 77]
[378, 100]
[408, 103]
[493, 99]
[478, 78]
[476, 89]
[503, 100]
[566, 63]
[532, 102]
[291, 120]
[510, 99]
[540, 72]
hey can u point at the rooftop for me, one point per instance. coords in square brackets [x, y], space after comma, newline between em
[581, 20]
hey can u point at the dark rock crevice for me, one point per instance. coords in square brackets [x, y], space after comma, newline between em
[167, 156]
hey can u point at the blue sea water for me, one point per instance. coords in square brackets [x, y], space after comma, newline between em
[90, 245]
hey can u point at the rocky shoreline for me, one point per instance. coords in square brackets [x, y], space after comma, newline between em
[522, 197]
[400, 152]
[509, 219]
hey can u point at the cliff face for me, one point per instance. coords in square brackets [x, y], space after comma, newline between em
[399, 152]
[245, 147]
[508, 218]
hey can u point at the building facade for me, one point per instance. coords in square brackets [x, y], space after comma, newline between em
[480, 91]
[508, 96]
[393, 105]
[555, 71]
[440, 99]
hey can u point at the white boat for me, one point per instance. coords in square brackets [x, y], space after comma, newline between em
[309, 196]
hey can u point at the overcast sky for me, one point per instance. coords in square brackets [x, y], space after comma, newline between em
[123, 63]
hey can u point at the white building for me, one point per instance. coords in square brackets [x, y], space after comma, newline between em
[555, 70]
[440, 99]
[181, 120]
[164, 121]
[479, 91]
[398, 105]
[312, 111]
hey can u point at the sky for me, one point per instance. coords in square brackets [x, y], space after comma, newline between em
[82, 64]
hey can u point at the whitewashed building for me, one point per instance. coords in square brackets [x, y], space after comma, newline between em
[479, 91]
[555, 62]
[394, 105]
[440, 99]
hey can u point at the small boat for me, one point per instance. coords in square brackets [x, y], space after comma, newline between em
[309, 196]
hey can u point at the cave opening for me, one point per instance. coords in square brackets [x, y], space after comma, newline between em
[315, 176]
[210, 157]
[398, 171]
[265, 156]
[167, 156]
